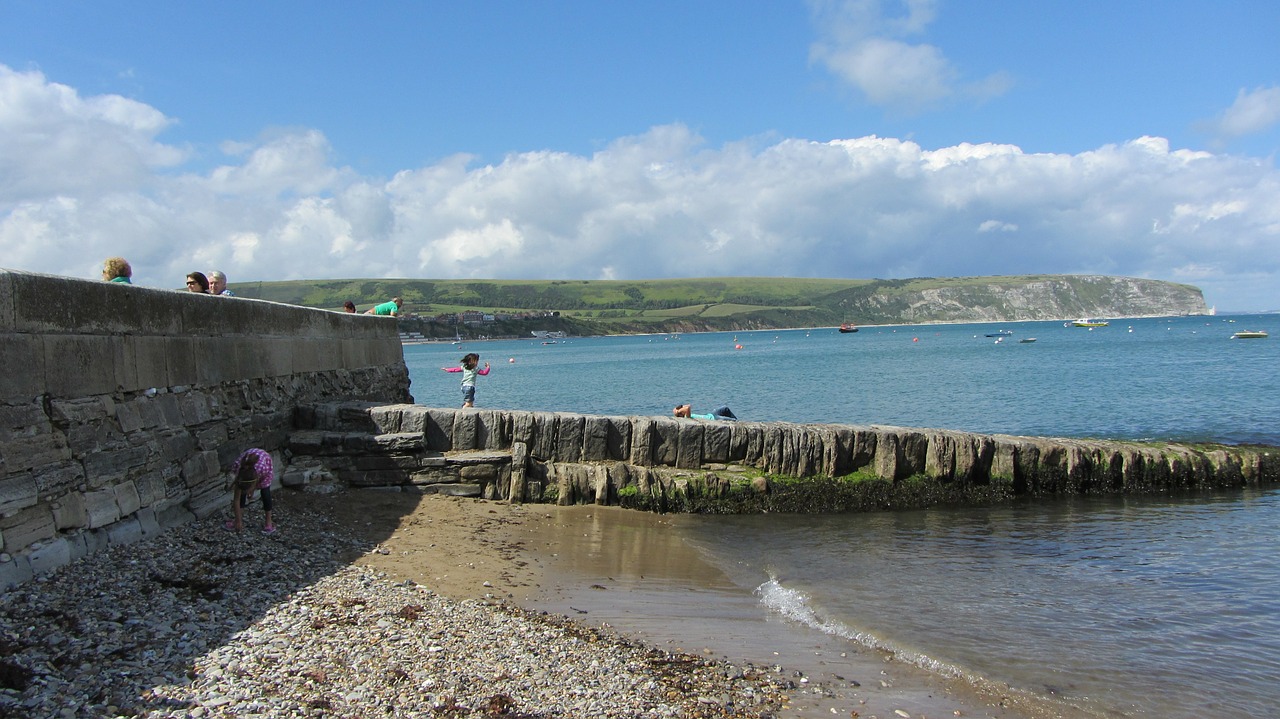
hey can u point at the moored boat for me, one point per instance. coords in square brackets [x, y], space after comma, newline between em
[1000, 333]
[1249, 335]
[1086, 322]
[847, 328]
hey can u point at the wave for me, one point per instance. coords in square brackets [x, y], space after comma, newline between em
[797, 606]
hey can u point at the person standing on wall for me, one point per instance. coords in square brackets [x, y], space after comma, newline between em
[469, 372]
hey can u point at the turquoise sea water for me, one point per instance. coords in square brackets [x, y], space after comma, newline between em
[1175, 378]
[1145, 607]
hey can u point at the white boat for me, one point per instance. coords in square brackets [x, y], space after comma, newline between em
[1250, 335]
[1086, 322]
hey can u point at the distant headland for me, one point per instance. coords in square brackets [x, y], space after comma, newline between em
[494, 308]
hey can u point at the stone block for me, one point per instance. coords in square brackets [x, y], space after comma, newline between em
[569, 437]
[101, 507]
[400, 442]
[50, 555]
[207, 501]
[170, 408]
[173, 445]
[542, 443]
[414, 419]
[26, 527]
[642, 435]
[665, 442]
[14, 572]
[715, 441]
[149, 363]
[126, 531]
[34, 451]
[70, 512]
[151, 488]
[82, 410]
[201, 468]
[465, 431]
[195, 408]
[93, 541]
[17, 492]
[458, 490]
[172, 514]
[75, 367]
[105, 467]
[595, 439]
[23, 357]
[689, 444]
[479, 472]
[148, 522]
[127, 498]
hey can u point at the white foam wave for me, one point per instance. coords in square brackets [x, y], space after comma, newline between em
[795, 605]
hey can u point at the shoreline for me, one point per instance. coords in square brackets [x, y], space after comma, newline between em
[630, 571]
[419, 603]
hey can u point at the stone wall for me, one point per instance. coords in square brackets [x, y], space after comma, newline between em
[668, 464]
[122, 407]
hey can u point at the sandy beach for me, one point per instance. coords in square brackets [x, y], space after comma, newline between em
[631, 572]
[398, 604]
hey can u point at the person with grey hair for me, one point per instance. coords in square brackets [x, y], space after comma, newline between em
[218, 284]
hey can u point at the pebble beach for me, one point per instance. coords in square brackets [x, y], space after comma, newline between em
[204, 622]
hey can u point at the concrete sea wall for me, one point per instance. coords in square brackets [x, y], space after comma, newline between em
[669, 464]
[122, 407]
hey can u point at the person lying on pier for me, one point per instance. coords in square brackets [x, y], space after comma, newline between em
[684, 410]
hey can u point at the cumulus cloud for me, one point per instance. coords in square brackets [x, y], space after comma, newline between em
[872, 52]
[54, 141]
[1251, 113]
[659, 204]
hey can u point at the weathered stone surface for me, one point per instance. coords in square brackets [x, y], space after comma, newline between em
[17, 492]
[569, 437]
[101, 507]
[127, 498]
[25, 527]
[69, 512]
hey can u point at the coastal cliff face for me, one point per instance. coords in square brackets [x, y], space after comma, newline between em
[1049, 298]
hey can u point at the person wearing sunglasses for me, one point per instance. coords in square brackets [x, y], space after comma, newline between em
[197, 282]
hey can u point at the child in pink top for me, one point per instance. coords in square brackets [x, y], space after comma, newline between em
[251, 471]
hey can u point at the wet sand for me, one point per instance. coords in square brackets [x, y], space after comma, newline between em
[633, 572]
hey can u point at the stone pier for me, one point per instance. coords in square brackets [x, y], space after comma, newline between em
[669, 464]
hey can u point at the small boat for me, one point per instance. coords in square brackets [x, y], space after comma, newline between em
[1000, 333]
[1026, 340]
[1249, 335]
[1085, 322]
[847, 328]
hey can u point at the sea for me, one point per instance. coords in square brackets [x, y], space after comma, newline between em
[1164, 606]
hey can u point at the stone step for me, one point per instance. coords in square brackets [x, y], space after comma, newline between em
[316, 442]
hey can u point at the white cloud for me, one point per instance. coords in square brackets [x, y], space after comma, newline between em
[868, 50]
[54, 141]
[658, 204]
[997, 226]
[1251, 113]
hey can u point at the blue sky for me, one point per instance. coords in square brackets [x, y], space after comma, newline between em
[594, 140]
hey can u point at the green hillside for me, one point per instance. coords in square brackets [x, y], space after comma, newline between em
[738, 303]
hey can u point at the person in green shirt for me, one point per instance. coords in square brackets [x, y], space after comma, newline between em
[386, 308]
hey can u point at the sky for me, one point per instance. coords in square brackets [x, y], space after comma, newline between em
[578, 139]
